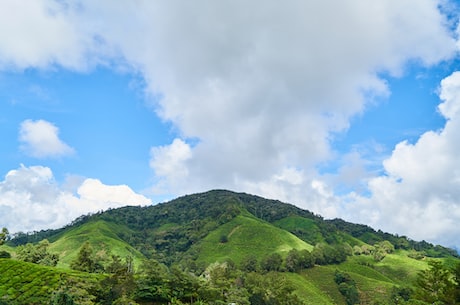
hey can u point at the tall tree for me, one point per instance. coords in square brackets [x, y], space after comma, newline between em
[86, 260]
[434, 285]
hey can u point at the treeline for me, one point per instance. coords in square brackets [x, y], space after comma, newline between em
[156, 283]
[260, 281]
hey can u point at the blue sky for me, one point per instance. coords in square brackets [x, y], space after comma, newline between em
[348, 112]
[102, 114]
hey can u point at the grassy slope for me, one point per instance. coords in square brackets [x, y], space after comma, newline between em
[247, 236]
[305, 225]
[322, 278]
[308, 290]
[103, 237]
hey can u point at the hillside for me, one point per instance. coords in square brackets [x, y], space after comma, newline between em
[101, 235]
[27, 283]
[243, 236]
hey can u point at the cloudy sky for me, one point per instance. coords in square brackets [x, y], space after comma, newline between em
[350, 109]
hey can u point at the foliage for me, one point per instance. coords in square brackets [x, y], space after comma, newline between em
[86, 260]
[62, 298]
[271, 288]
[119, 285]
[37, 254]
[298, 260]
[3, 235]
[249, 264]
[347, 287]
[5, 254]
[324, 254]
[271, 262]
[28, 283]
[434, 285]
[186, 252]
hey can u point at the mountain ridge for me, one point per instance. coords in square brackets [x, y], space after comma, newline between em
[223, 205]
[230, 242]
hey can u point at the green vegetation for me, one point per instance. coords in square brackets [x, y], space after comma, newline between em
[3, 235]
[222, 247]
[103, 236]
[37, 254]
[28, 283]
[246, 236]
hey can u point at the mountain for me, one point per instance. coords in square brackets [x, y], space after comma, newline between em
[197, 231]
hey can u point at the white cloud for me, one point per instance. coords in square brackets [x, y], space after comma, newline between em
[104, 196]
[30, 199]
[169, 164]
[43, 34]
[263, 87]
[260, 87]
[419, 195]
[40, 139]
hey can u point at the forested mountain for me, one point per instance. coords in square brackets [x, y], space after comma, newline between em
[223, 247]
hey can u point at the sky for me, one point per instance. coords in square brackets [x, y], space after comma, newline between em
[349, 109]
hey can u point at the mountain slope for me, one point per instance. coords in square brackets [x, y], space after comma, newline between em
[246, 236]
[103, 236]
[198, 230]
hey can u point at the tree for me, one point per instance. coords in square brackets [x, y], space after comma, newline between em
[249, 264]
[386, 246]
[271, 288]
[62, 298]
[4, 234]
[434, 285]
[119, 285]
[456, 276]
[347, 287]
[293, 261]
[86, 260]
[37, 254]
[272, 262]
[151, 282]
[306, 259]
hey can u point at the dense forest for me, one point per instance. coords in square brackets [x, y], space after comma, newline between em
[222, 247]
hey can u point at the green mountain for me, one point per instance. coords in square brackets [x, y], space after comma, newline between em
[293, 252]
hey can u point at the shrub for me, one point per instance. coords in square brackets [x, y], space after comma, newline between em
[5, 254]
[223, 239]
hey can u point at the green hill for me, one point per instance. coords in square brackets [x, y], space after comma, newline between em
[193, 232]
[246, 236]
[103, 236]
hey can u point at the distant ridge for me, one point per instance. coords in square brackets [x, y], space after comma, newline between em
[242, 235]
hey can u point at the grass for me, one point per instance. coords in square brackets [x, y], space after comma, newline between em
[323, 278]
[307, 227]
[247, 236]
[401, 267]
[103, 236]
[367, 269]
[308, 291]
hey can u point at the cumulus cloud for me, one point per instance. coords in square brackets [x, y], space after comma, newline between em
[169, 164]
[45, 34]
[40, 139]
[264, 88]
[31, 199]
[419, 195]
[260, 88]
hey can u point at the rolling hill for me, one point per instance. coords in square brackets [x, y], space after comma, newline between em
[197, 231]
